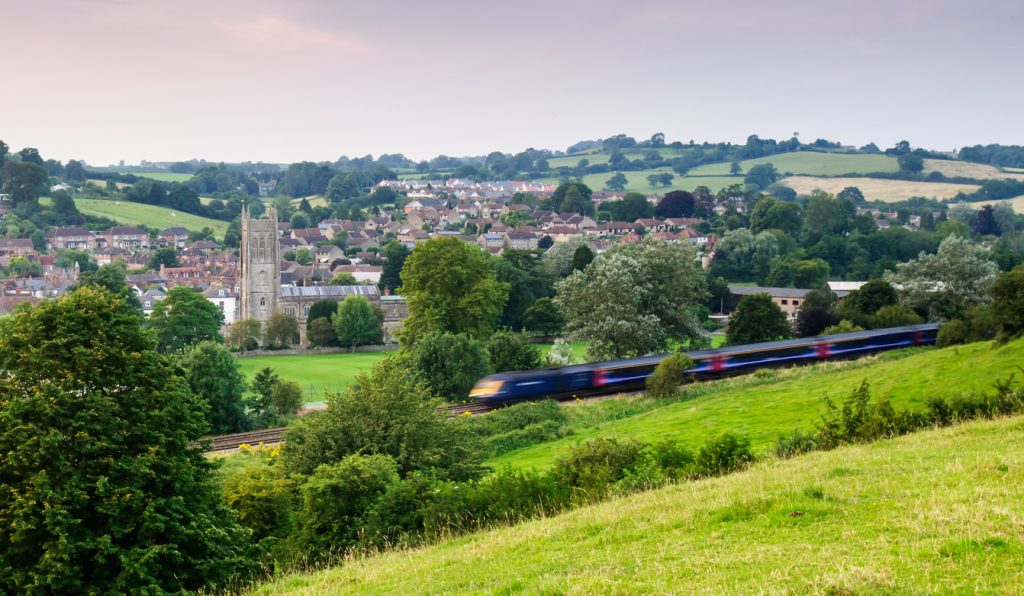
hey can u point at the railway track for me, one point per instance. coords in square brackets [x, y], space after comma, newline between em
[267, 436]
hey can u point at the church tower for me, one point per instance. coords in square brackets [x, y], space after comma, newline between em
[261, 266]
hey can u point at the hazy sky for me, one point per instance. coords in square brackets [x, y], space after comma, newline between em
[282, 81]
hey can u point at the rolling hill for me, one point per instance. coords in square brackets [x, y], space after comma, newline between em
[937, 511]
[155, 216]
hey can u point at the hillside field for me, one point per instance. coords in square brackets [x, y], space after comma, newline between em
[808, 162]
[932, 512]
[128, 213]
[968, 170]
[162, 176]
[879, 189]
[1017, 203]
[784, 401]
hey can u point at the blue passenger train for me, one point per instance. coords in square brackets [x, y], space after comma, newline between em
[630, 375]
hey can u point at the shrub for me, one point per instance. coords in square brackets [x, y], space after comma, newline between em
[953, 333]
[560, 354]
[668, 375]
[1008, 303]
[721, 455]
[541, 432]
[674, 459]
[894, 315]
[337, 497]
[844, 326]
[592, 468]
[511, 351]
[795, 443]
[265, 501]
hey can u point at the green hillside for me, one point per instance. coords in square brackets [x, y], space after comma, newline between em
[163, 176]
[129, 213]
[764, 408]
[937, 511]
[809, 162]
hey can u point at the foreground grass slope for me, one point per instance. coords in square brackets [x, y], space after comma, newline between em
[939, 511]
[764, 409]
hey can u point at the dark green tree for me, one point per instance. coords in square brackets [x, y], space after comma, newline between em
[185, 318]
[214, 375]
[111, 278]
[1008, 303]
[102, 488]
[24, 181]
[757, 318]
[395, 254]
[618, 181]
[582, 257]
[166, 256]
[450, 363]
[910, 163]
[321, 333]
[544, 317]
[280, 330]
[678, 203]
[357, 323]
[512, 351]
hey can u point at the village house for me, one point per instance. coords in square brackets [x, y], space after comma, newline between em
[226, 300]
[521, 240]
[362, 273]
[128, 237]
[175, 237]
[73, 238]
[17, 247]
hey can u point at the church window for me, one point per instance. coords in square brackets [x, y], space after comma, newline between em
[263, 301]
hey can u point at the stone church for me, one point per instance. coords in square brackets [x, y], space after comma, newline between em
[262, 292]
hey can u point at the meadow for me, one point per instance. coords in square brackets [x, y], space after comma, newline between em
[968, 169]
[808, 162]
[879, 189]
[932, 512]
[317, 373]
[128, 213]
[162, 176]
[1017, 203]
[766, 405]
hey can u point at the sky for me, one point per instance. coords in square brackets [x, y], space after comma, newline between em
[283, 81]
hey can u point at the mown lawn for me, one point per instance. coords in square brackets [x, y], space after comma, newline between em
[934, 512]
[762, 409]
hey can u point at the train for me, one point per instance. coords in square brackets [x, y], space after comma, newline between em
[599, 378]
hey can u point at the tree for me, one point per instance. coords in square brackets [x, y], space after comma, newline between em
[275, 400]
[184, 318]
[24, 181]
[677, 203]
[1007, 294]
[618, 181]
[634, 299]
[945, 284]
[75, 171]
[343, 278]
[321, 309]
[450, 363]
[757, 318]
[865, 301]
[321, 333]
[910, 163]
[213, 374]
[244, 335]
[582, 257]
[632, 207]
[449, 285]
[280, 331]
[22, 267]
[110, 278]
[668, 375]
[357, 323]
[512, 351]
[558, 199]
[166, 256]
[389, 412]
[395, 254]
[102, 487]
[762, 176]
[543, 317]
[735, 169]
[816, 312]
[67, 259]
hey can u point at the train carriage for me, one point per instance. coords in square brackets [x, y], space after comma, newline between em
[630, 375]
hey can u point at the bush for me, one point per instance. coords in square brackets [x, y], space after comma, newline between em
[953, 333]
[592, 468]
[265, 501]
[559, 355]
[337, 497]
[511, 351]
[894, 315]
[844, 326]
[1008, 303]
[668, 375]
[795, 443]
[722, 455]
[541, 432]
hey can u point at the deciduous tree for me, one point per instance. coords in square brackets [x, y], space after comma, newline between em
[357, 323]
[213, 374]
[184, 318]
[757, 318]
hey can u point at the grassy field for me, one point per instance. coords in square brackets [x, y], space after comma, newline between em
[638, 181]
[933, 512]
[879, 189]
[129, 213]
[1017, 203]
[601, 157]
[762, 410]
[317, 373]
[162, 176]
[967, 169]
[808, 162]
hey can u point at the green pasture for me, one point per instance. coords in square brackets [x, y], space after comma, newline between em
[162, 176]
[637, 181]
[936, 512]
[765, 405]
[808, 162]
[128, 213]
